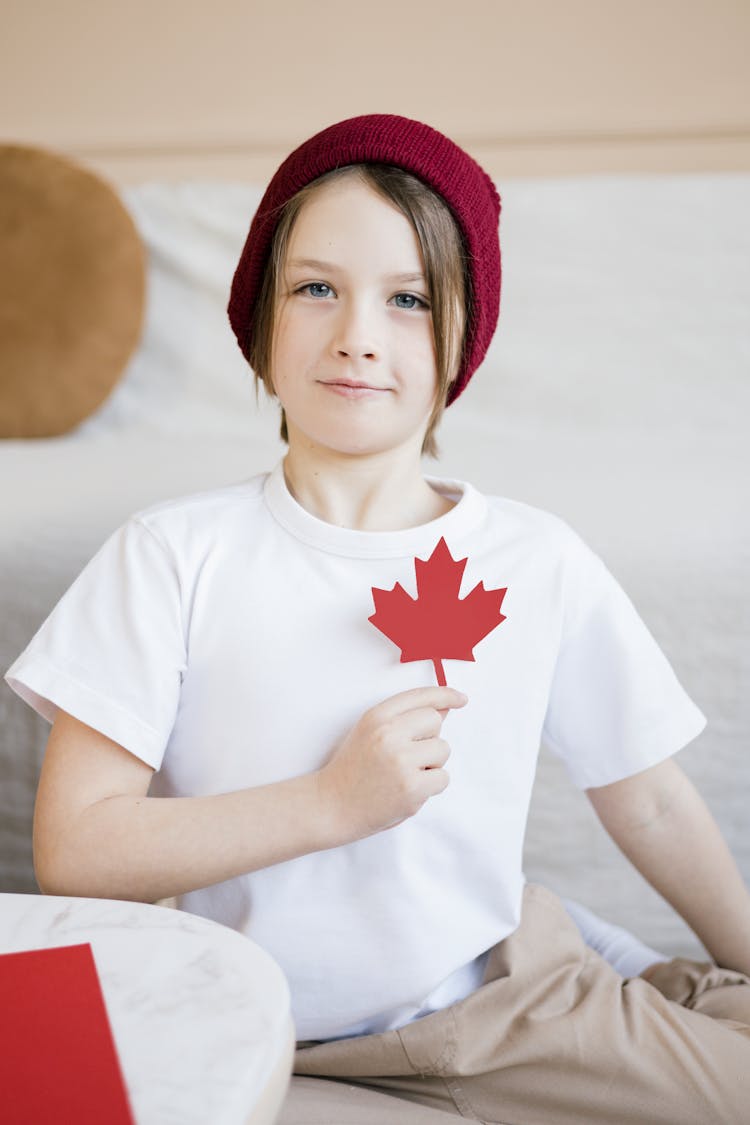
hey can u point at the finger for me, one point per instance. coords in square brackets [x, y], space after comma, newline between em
[435, 781]
[424, 722]
[439, 698]
[431, 754]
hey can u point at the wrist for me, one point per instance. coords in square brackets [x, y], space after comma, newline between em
[330, 820]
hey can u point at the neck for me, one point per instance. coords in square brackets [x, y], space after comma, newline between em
[379, 492]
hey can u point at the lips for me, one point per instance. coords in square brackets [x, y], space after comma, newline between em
[352, 387]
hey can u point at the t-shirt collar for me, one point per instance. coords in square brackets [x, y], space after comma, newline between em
[463, 517]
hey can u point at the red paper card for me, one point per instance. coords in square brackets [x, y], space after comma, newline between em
[58, 1061]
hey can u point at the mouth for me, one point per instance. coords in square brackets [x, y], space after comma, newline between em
[352, 388]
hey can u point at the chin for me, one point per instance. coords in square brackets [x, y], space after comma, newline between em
[355, 437]
[362, 448]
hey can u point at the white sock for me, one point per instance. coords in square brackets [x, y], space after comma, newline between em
[618, 946]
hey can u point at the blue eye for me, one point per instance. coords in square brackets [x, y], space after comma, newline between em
[315, 285]
[417, 301]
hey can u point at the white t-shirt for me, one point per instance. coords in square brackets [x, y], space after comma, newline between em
[223, 638]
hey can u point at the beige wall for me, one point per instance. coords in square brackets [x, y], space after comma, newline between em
[224, 87]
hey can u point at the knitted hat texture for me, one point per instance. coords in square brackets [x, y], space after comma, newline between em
[427, 154]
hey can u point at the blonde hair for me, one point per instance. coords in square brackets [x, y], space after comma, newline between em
[446, 272]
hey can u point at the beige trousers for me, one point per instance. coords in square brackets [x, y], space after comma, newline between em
[554, 1036]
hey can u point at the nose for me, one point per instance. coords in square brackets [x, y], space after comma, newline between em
[356, 332]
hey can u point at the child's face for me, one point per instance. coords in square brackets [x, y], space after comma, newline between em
[354, 356]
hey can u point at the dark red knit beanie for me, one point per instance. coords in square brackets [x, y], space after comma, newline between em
[419, 149]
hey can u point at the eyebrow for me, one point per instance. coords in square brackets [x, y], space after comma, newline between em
[329, 267]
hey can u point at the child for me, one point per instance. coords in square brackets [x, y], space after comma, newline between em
[244, 643]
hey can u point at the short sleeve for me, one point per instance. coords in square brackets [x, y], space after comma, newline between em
[616, 706]
[112, 652]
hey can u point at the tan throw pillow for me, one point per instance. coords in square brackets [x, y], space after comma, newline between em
[72, 292]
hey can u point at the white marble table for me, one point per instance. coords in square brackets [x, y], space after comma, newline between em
[200, 1015]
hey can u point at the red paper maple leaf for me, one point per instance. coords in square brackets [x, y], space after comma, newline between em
[437, 625]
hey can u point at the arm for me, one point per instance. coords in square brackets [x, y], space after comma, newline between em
[660, 822]
[97, 834]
